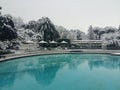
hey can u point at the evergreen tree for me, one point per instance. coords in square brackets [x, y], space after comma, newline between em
[47, 29]
[91, 33]
[0, 9]
[7, 29]
[119, 28]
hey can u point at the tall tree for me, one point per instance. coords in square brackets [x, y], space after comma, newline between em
[119, 28]
[99, 32]
[47, 28]
[91, 33]
[31, 25]
[18, 22]
[63, 32]
[96, 31]
[0, 9]
[7, 29]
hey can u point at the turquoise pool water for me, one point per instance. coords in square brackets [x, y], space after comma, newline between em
[61, 72]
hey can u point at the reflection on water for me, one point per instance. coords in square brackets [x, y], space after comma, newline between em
[109, 62]
[43, 69]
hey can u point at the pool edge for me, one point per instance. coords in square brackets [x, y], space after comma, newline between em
[16, 56]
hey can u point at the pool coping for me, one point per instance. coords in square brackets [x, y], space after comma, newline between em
[53, 52]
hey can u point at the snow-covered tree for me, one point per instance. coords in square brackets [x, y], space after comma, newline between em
[30, 33]
[37, 37]
[73, 34]
[110, 29]
[31, 25]
[0, 9]
[62, 31]
[119, 28]
[47, 29]
[7, 29]
[91, 33]
[98, 32]
[18, 22]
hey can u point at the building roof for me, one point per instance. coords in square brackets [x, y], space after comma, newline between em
[87, 41]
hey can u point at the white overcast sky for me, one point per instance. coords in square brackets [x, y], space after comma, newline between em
[72, 14]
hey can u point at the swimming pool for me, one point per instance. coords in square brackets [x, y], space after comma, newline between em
[61, 72]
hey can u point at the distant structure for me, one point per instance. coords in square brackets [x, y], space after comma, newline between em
[90, 44]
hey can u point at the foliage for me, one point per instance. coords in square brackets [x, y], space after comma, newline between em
[5, 52]
[7, 29]
[47, 29]
[31, 25]
[18, 22]
[0, 9]
[91, 33]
